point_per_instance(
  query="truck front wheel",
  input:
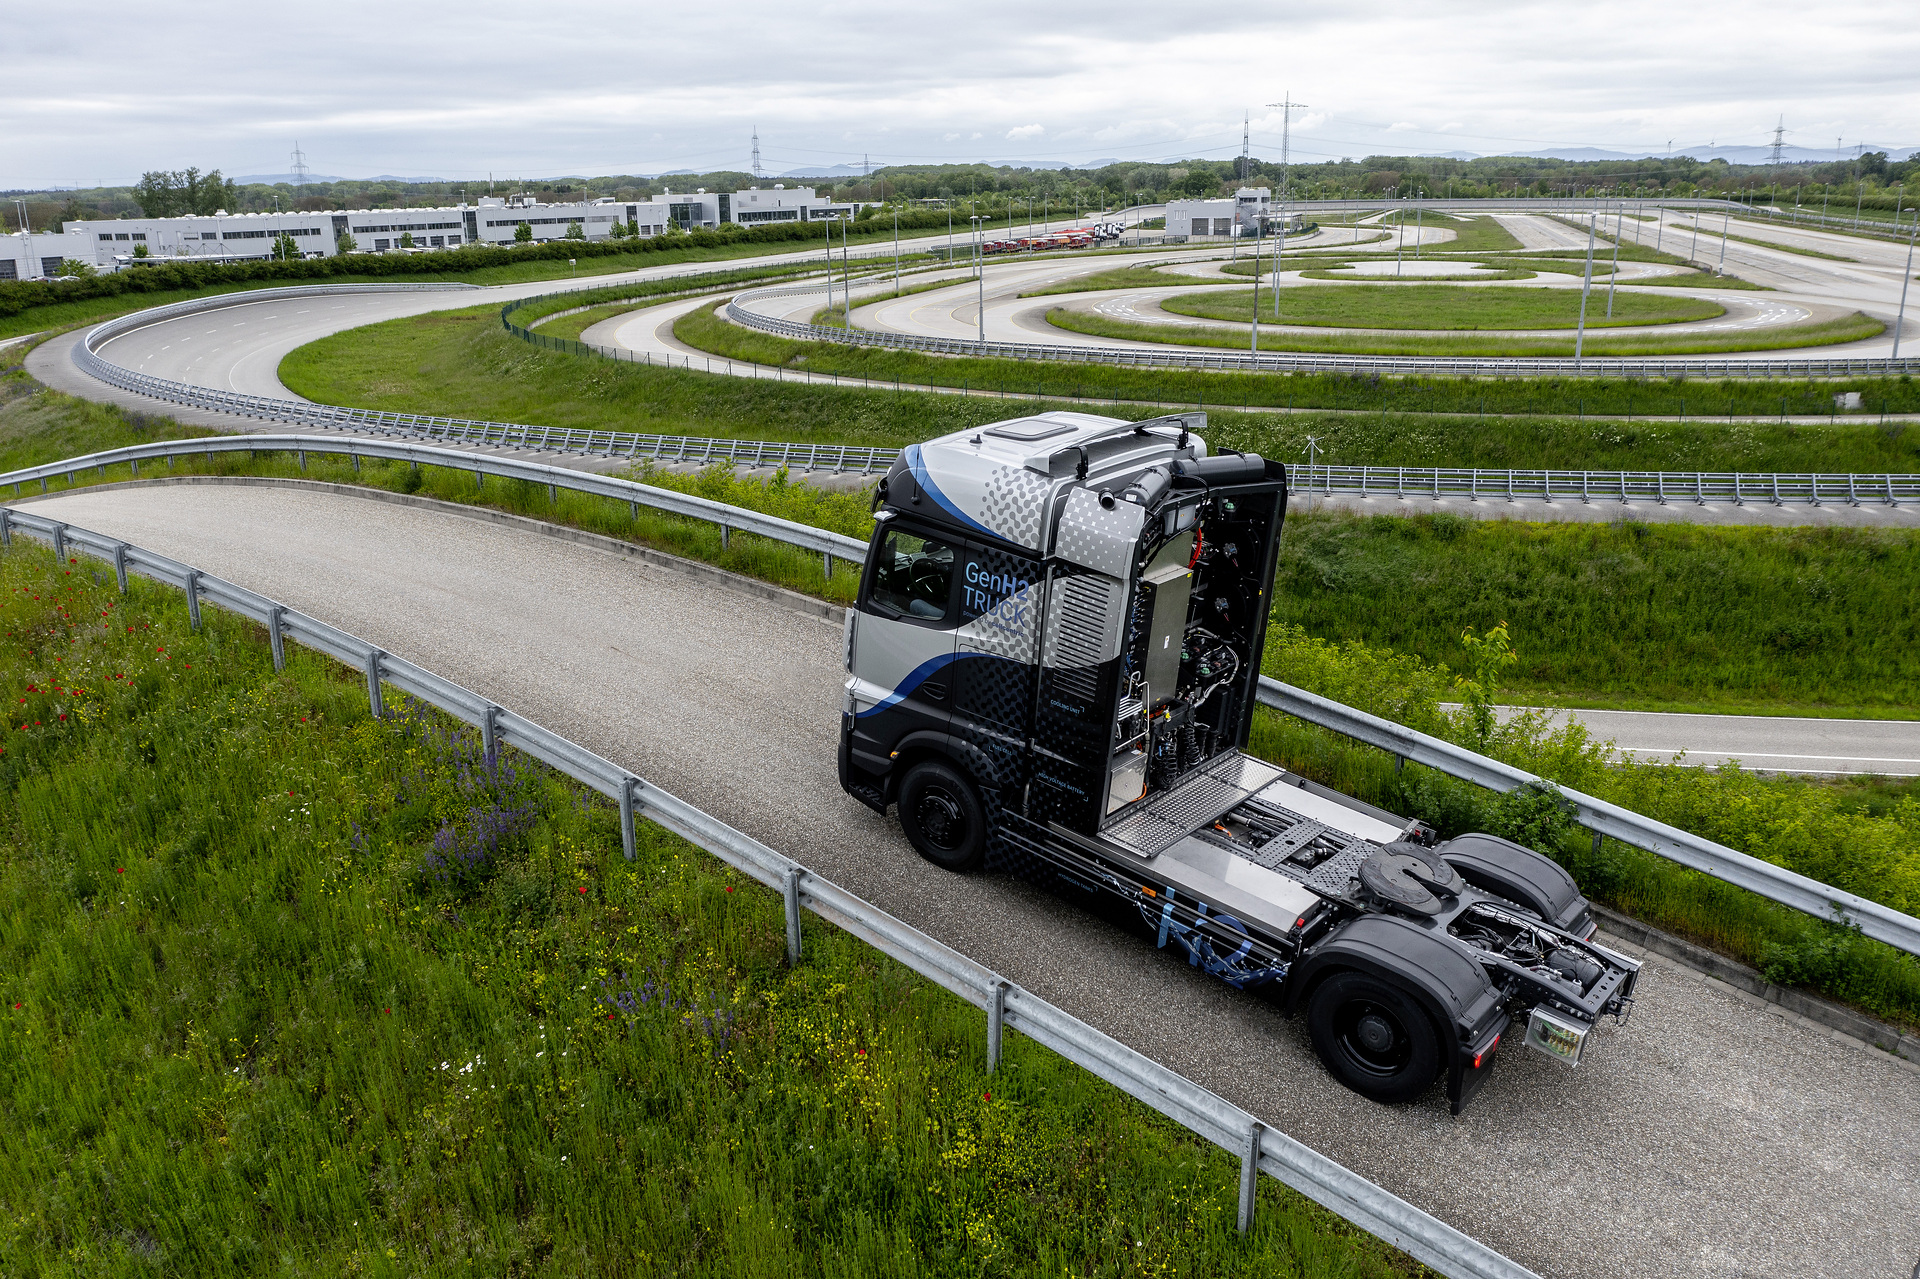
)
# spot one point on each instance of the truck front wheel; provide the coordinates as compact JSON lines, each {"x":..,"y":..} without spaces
{"x":1373,"y":1037}
{"x":942,"y":815}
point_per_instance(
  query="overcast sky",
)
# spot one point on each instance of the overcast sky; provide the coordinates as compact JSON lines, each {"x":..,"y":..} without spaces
{"x":527,"y":89}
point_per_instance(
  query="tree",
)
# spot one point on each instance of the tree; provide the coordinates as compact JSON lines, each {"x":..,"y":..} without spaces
{"x":575,"y":231}
{"x":1200,"y":182}
{"x":523,"y":234}
{"x":139,"y":250}
{"x":286,"y":249}
{"x":406,"y":239}
{"x":74,"y":266}
{"x":345,"y":244}
{"x":162,"y":194}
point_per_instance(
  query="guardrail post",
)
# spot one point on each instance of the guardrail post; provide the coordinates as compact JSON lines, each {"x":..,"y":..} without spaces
{"x":60,"y":545}
{"x":300,"y":455}
{"x":120,"y":564}
{"x":6,"y":535}
{"x":355,"y":457}
{"x":826,"y":558}
{"x":374,"y":702}
{"x":792,"y":887}
{"x":996,"y":1020}
{"x":553,"y":495}
{"x":273,"y":636}
{"x":193,"y":598}
{"x":135,"y":463}
{"x":723,"y":537}
{"x":1250,"y":1175}
{"x":490,"y":732}
{"x":627,"y":838}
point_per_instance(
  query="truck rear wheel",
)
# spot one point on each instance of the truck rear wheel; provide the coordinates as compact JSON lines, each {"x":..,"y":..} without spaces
{"x":942,"y":816}
{"x":1373,"y":1037}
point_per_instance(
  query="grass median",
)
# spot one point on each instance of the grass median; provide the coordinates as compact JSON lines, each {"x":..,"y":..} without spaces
{"x":290,"y":987}
{"x":1435,"y":306}
{"x":1854,"y":328}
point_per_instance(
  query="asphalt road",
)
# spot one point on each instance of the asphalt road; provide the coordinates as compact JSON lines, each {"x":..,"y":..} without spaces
{"x":1778,"y":743}
{"x":1711,"y":1136}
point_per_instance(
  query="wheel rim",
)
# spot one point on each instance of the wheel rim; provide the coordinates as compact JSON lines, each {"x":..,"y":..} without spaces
{"x":941,"y":819}
{"x":1372,"y":1038}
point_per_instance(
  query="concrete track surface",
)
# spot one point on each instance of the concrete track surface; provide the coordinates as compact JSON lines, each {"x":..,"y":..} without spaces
{"x":1708,"y":1137}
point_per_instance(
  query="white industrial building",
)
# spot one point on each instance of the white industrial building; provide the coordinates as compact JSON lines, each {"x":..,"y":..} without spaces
{"x":238,"y":237}
{"x":1248,"y":209}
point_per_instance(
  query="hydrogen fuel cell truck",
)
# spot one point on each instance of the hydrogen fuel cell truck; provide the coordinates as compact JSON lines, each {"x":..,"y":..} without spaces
{"x":1053,"y":668}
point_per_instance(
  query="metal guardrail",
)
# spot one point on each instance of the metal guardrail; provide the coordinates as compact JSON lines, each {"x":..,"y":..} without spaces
{"x":1775,"y":883}
{"x":1699,"y":487}
{"x":636,"y":495}
{"x":739,"y":311}
{"x":549,"y":439}
{"x":1008,"y":1006}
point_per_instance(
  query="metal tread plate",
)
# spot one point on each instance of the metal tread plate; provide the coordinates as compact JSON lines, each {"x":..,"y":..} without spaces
{"x":1201,"y":798}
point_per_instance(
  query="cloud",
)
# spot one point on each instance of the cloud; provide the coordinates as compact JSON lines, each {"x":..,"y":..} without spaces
{"x":104,"y":102}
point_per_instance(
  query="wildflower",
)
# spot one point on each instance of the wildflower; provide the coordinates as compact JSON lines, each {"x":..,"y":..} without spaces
{"x":583,"y":889}
{"x":389,"y":1012}
{"x":120,"y":870}
{"x":729,"y":887}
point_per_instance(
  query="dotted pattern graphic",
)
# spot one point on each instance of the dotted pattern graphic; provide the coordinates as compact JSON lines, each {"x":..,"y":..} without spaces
{"x":1013,"y":503}
{"x":1100,"y":539}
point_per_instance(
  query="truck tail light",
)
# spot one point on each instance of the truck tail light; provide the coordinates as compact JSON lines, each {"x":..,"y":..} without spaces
{"x":1486,"y":1052}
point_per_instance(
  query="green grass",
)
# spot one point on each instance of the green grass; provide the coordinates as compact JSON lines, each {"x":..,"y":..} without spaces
{"x":1784,"y":248}
{"x":461,"y":363}
{"x":1665,"y":612}
{"x":1342,"y":271}
{"x":1700,"y":280}
{"x":1434,"y":306}
{"x":255,"y":1019}
{"x":1854,"y":328}
{"x":1471,"y":235}
{"x":1126,"y":277}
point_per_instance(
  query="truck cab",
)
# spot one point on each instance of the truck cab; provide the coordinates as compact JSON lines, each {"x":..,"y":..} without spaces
{"x":1053,"y":668}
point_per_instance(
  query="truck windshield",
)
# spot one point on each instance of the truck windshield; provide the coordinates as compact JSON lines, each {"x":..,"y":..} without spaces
{"x":913,"y":576}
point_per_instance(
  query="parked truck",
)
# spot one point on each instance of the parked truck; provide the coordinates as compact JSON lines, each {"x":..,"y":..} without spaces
{"x":1053,"y":669}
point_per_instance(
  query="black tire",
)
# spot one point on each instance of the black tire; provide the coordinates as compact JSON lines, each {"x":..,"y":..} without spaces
{"x":1373,"y":1037}
{"x":942,"y":816}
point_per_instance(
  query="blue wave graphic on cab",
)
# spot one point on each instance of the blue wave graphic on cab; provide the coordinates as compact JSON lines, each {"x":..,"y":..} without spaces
{"x":921,"y":477}
{"x":915,"y":678}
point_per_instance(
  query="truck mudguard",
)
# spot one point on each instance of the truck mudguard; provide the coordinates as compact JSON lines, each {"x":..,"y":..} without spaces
{"x":1522,"y":876}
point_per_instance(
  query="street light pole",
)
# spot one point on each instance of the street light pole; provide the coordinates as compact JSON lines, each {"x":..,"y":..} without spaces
{"x":1586,"y":286}
{"x":980,"y":274}
{"x":1906,"y":277}
{"x":1254,"y":348}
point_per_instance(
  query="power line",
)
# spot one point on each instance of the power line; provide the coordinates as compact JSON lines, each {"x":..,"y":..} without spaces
{"x":1287,"y":108}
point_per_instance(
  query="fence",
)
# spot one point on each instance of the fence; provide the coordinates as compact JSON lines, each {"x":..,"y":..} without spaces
{"x":1660,"y":486}
{"x":1769,"y":881}
{"x":1007,"y":1006}
{"x":1612,"y":486}
{"x":740,"y":312}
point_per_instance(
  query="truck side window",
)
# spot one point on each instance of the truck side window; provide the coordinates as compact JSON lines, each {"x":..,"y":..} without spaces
{"x":913,"y":577}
